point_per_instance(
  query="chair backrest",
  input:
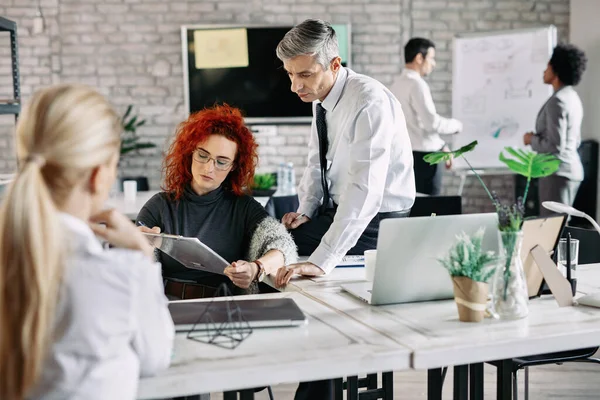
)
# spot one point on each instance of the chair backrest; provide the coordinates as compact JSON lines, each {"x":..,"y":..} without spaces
{"x":278,"y":206}
{"x":589,"y":243}
{"x":440,"y":205}
{"x":586,"y":197}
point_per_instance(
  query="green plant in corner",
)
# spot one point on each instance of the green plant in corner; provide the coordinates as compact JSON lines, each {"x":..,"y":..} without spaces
{"x":263,"y":181}
{"x":130,"y":139}
{"x":467,"y":258}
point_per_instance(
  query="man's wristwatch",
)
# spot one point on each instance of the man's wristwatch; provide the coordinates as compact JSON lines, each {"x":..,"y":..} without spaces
{"x":261,"y":273}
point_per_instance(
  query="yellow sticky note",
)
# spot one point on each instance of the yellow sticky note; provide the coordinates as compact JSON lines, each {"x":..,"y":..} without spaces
{"x":221,"y":48}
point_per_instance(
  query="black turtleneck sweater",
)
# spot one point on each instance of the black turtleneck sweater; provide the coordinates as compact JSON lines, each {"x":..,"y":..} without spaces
{"x":221,"y":220}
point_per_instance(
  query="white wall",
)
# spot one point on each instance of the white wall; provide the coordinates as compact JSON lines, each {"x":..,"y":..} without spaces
{"x":585,"y":33}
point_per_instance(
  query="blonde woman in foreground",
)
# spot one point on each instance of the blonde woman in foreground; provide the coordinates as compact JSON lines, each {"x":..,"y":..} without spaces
{"x":77,"y":321}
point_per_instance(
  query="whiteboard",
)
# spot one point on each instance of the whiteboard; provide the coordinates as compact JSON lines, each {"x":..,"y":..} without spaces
{"x":498,"y":90}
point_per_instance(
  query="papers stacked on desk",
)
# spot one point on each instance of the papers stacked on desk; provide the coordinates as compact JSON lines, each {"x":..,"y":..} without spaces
{"x":347,"y":261}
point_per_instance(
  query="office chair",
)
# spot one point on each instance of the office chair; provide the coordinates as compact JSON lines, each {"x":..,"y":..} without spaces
{"x":589,"y":252}
{"x":278,"y":206}
{"x":440,"y":205}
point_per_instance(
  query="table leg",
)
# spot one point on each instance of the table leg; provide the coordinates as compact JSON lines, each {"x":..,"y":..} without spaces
{"x":247,"y":394}
{"x":504,"y":380}
{"x":461,"y":382}
{"x":352,"y":388}
{"x":338,"y":387}
{"x":230,"y":395}
{"x":461,"y":185}
{"x":371,"y":381}
{"x":476,"y":381}
{"x":388,"y":385}
{"x":435,"y":381}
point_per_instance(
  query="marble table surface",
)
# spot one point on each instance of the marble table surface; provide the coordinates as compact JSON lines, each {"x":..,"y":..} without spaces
{"x":436,"y":336}
{"x":330,"y":345}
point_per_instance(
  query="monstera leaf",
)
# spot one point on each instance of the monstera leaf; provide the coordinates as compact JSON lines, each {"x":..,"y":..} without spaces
{"x":439,"y":156}
{"x":530,"y":164}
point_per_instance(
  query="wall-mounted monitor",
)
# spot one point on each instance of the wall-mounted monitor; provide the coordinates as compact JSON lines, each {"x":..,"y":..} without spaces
{"x":237,"y":65}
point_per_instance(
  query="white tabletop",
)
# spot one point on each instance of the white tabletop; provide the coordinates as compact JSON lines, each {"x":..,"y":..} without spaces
{"x":432,"y":329}
{"x":331,"y":345}
{"x":437,"y":338}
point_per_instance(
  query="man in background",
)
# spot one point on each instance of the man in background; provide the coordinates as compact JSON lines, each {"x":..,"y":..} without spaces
{"x":424,"y":124}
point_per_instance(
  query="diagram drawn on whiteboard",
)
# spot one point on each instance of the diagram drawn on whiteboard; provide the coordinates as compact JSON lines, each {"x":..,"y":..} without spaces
{"x":497,"y":89}
{"x":520,"y":90}
{"x":502,"y":128}
{"x":475,"y":103}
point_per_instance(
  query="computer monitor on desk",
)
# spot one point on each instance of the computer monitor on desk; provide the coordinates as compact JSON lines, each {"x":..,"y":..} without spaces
{"x":408,"y":249}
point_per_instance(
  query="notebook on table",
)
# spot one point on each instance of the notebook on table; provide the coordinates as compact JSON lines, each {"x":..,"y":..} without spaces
{"x":259,"y":313}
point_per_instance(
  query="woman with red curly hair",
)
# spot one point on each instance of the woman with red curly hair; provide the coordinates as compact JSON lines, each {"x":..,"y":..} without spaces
{"x":209,"y":166}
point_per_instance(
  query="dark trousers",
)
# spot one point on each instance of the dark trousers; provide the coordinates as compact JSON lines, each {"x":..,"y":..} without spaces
{"x":556,"y":188}
{"x":307,"y":237}
{"x":428,"y":178}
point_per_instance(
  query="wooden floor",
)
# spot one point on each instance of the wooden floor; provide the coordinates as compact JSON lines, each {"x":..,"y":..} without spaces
{"x":577,"y":381}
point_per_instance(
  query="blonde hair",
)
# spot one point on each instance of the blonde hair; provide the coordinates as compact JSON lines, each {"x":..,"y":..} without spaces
{"x":65,"y":132}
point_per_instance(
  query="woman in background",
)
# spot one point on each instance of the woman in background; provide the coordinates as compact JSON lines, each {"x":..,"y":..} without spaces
{"x":78,"y":321}
{"x":208,"y":167}
{"x":558,"y":126}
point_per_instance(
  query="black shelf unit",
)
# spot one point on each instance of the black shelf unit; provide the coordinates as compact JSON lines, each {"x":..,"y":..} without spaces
{"x":12,"y":106}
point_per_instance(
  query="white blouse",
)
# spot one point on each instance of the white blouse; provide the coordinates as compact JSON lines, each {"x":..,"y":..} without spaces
{"x":112,"y":322}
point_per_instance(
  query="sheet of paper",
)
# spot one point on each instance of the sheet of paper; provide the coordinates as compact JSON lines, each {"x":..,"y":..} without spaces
{"x":221,"y":48}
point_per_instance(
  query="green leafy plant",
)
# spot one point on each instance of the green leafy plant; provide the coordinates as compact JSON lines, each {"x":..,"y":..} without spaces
{"x":263,"y":181}
{"x":526,"y":163}
{"x":467,"y":258}
{"x":510,"y":217}
{"x":130,"y":141}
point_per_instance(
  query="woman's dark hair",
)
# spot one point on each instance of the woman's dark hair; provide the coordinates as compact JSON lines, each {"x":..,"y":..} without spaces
{"x":568,"y":63}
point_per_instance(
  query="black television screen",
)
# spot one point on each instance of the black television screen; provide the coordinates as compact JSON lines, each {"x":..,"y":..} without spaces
{"x":237,"y":65}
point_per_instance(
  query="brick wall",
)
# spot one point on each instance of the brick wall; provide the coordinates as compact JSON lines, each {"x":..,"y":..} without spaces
{"x":131,"y":51}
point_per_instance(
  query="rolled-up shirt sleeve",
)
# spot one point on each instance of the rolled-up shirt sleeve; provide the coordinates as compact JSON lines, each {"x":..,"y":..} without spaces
{"x":423,"y":104}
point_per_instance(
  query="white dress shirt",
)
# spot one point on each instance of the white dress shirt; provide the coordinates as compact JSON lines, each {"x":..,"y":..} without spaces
{"x":112,"y":323}
{"x":370,"y":163}
{"x":424,"y":124}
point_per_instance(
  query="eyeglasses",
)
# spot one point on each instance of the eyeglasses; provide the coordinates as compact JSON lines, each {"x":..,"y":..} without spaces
{"x":220,"y":163}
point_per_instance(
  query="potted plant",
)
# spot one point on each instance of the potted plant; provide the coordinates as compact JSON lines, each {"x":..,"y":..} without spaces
{"x":263,"y":185}
{"x":470,"y":268}
{"x":130,"y":142}
{"x":509,"y":288}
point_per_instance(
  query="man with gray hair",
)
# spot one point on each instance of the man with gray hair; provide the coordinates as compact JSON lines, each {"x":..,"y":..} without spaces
{"x":360,"y":163}
{"x":360,"y":158}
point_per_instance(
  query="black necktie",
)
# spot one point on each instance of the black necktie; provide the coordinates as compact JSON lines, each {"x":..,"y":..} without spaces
{"x":323,"y":146}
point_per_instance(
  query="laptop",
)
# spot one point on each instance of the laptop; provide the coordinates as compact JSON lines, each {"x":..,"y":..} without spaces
{"x":259,"y":313}
{"x":407,"y":268}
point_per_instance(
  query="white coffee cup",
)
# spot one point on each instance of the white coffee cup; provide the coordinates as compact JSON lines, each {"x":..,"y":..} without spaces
{"x":370,"y":257}
{"x":129,"y":191}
